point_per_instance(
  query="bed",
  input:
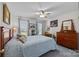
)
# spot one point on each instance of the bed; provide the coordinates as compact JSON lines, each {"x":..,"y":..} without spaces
{"x":34,"y":46}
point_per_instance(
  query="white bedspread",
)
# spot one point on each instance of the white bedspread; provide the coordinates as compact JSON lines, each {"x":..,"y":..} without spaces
{"x":33,"y":47}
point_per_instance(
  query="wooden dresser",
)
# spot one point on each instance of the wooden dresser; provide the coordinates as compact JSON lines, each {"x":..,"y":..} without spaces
{"x":67,"y":38}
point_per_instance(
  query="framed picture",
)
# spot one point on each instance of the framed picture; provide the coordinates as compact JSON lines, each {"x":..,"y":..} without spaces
{"x":54,"y":23}
{"x":6,"y":14}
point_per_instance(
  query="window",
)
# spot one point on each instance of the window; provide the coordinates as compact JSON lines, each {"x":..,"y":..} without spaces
{"x":39,"y":25}
{"x":24,"y":26}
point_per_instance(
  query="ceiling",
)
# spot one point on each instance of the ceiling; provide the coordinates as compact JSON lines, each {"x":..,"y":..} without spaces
{"x":28,"y":9}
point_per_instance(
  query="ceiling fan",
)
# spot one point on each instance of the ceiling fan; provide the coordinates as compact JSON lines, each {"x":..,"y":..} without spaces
{"x":42,"y":12}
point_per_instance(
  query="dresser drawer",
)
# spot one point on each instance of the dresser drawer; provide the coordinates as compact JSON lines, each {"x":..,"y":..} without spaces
{"x":67,"y":39}
{"x":70,"y":37}
{"x":70,"y":43}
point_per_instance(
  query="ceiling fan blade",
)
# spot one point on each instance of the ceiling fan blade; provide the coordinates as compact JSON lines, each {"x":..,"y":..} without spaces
{"x":37,"y":13}
{"x":48,"y":12}
{"x":52,"y":8}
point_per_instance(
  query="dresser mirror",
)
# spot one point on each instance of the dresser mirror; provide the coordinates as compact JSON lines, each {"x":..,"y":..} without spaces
{"x":67,"y":25}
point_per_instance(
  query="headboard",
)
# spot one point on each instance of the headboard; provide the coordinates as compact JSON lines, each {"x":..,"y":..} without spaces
{"x":5,"y":36}
{"x":1,"y":40}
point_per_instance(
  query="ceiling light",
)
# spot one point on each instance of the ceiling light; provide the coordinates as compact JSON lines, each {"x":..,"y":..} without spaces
{"x":42,"y":15}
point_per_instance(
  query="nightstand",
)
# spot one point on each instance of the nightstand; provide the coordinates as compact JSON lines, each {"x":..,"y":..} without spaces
{"x":48,"y":34}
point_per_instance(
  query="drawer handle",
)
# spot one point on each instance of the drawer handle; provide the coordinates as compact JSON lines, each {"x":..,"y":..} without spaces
{"x":1,"y":51}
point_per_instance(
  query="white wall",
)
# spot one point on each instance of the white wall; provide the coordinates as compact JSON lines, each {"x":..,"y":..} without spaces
{"x":14,"y":23}
{"x":72,"y":15}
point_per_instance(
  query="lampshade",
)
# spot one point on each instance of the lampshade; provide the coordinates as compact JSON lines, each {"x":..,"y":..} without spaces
{"x":14,"y":29}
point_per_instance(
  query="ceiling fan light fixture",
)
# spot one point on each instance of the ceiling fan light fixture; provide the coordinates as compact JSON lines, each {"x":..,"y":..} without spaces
{"x":42,"y":15}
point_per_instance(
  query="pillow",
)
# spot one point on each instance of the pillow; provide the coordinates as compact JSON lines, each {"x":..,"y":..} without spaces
{"x":21,"y":38}
{"x":24,"y":33}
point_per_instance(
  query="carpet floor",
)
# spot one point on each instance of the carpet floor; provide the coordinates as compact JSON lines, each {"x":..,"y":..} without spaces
{"x":61,"y":52}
